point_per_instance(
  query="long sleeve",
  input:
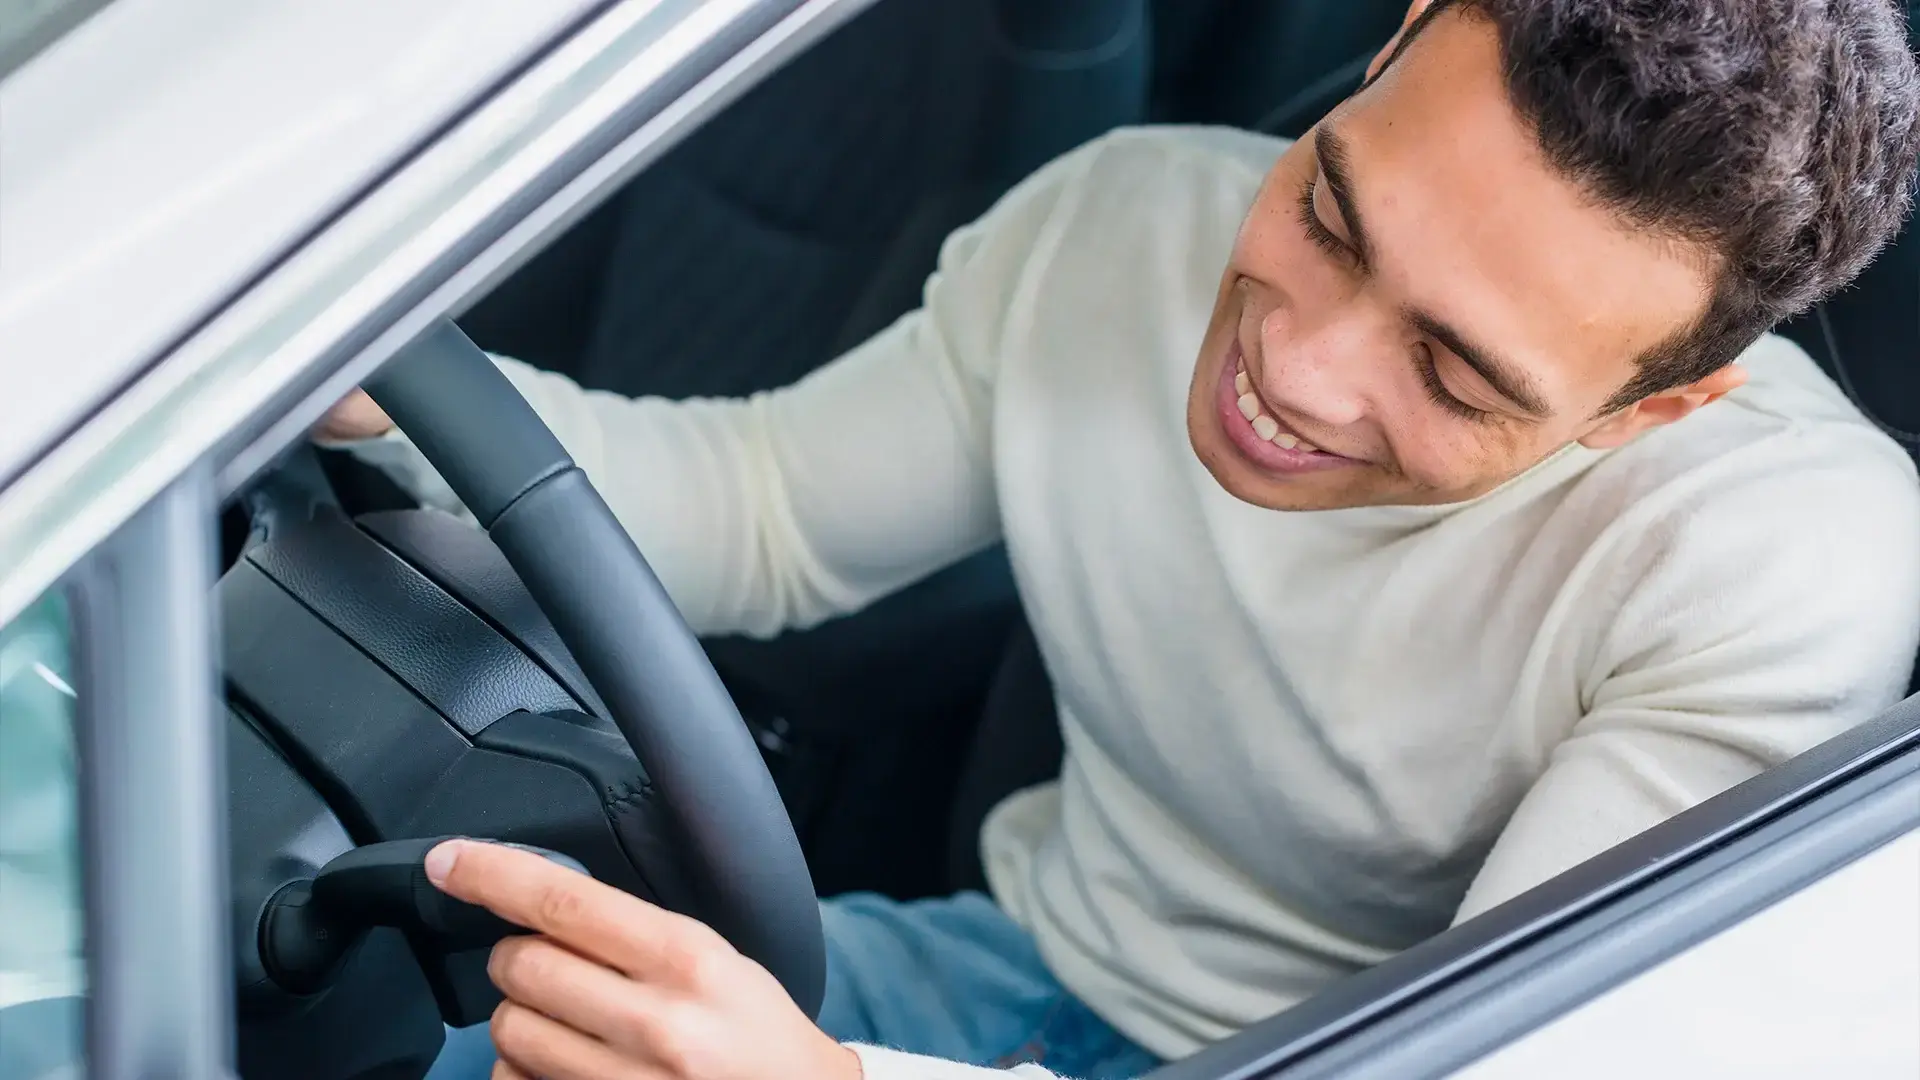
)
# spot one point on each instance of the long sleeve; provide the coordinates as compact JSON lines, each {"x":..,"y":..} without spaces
{"x":1741,"y":639}
{"x":810,"y":501}
{"x":883,"y":1064}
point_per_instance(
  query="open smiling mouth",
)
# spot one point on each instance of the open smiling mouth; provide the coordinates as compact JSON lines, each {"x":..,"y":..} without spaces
{"x":1259,"y":436}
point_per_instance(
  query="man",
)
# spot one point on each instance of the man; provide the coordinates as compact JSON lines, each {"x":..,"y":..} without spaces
{"x":1485,"y":532}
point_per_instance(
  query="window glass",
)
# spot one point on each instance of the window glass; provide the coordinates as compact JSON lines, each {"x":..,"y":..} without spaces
{"x":27,"y":26}
{"x":42,"y":961}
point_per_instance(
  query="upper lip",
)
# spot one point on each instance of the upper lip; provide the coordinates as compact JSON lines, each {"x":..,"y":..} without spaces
{"x":1253,"y":376}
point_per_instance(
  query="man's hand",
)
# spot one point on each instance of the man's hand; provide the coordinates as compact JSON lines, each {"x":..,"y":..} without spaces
{"x":615,"y":988}
{"x":1380,"y":59}
{"x":355,"y":417}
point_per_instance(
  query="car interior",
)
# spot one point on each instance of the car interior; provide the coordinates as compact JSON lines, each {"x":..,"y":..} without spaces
{"x":821,"y":197}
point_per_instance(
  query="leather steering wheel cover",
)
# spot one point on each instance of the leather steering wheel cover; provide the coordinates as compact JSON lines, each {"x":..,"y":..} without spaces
{"x":608,"y":607}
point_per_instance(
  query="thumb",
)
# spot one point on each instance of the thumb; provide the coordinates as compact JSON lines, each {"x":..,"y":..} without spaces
{"x":353,"y":417}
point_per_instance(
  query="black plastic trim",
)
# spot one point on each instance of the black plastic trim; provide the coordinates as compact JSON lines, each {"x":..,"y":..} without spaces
{"x":465,"y":563}
{"x":646,"y":832}
{"x":1599,"y":923}
{"x":447,"y":654}
{"x":355,"y":716}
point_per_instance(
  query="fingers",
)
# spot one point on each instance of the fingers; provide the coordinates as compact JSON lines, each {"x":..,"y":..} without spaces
{"x":577,"y":992}
{"x":354,"y":417}
{"x":617,"y":989}
{"x":537,"y":1046}
{"x":595,"y":920}
{"x":503,"y":1071}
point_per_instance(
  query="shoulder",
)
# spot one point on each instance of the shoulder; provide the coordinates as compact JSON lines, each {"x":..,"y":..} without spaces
{"x":1181,"y":169}
{"x":1778,"y":525}
{"x":1134,"y":226}
{"x":1788,"y":448}
{"x":1132,"y":187}
{"x":1160,"y":153}
{"x":1145,"y":187}
{"x":1179,"y":147}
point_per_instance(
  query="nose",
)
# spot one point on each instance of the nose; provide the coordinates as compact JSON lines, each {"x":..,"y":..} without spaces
{"x":1317,"y":364}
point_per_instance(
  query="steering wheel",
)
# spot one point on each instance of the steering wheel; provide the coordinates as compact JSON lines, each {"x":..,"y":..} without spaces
{"x":586,"y":575}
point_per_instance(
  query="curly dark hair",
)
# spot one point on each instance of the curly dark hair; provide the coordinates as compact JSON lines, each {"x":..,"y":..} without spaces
{"x":1778,"y":135}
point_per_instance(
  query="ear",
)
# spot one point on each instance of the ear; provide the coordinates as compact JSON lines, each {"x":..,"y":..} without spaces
{"x":1663,"y":408}
{"x":1380,"y":59}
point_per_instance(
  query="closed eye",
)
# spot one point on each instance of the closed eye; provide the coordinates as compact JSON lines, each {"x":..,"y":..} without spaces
{"x":1427,"y":366}
{"x":1318,"y":232}
{"x":1425,"y":362}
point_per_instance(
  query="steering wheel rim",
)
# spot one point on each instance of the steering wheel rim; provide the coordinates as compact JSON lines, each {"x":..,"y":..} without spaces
{"x":592,"y":582}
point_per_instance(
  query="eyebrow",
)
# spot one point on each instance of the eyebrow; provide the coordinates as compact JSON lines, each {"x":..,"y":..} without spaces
{"x":1507,"y":379}
{"x":1332,"y":152}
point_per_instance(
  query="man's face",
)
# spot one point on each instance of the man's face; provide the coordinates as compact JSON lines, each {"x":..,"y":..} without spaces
{"x":1421,"y":301}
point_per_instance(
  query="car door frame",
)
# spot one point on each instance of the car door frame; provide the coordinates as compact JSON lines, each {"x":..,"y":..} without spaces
{"x":120,"y":515}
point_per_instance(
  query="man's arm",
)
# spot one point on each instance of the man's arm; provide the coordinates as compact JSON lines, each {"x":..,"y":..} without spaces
{"x":802,"y":503}
{"x":1755,"y":625}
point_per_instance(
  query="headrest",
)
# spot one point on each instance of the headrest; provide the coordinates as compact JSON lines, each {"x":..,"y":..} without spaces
{"x":1868,"y":339}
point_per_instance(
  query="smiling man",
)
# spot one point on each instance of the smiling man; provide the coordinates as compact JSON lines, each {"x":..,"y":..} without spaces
{"x":1486,"y":530}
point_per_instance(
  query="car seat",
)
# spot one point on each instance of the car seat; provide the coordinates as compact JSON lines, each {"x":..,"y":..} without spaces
{"x":1261,"y":65}
{"x":803,"y":201}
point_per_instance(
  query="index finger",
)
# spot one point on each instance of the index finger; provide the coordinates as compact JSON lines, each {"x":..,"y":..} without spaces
{"x":593,"y":919}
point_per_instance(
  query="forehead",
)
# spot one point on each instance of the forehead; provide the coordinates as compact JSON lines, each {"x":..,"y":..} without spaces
{"x":1474,"y":226}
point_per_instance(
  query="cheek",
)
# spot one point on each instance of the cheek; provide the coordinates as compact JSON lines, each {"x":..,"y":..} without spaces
{"x":1272,"y":248}
{"x":1248,"y":327}
{"x":1443,"y":454}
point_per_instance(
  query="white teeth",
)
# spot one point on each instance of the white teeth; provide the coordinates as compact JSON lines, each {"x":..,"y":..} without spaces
{"x":1264,"y":426}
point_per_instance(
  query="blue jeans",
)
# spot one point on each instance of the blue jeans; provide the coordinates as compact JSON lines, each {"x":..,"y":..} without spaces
{"x":952,"y":978}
